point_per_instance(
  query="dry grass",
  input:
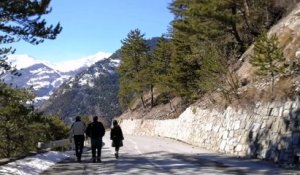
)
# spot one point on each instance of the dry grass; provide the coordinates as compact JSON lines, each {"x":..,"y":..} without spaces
{"x":249,"y":95}
{"x":285,"y":37}
{"x":284,"y":89}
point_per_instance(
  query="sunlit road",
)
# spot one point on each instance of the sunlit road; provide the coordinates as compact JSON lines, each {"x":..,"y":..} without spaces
{"x":148,"y":155}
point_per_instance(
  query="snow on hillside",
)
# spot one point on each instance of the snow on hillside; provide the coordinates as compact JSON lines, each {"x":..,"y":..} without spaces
{"x":24,"y":61}
{"x":44,"y":77}
{"x":71,"y":65}
{"x":94,"y":91}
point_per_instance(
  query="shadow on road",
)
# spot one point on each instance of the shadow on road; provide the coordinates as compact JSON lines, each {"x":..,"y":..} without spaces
{"x":153,"y":163}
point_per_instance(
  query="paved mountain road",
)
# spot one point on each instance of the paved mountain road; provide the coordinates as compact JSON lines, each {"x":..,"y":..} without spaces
{"x":152,"y":155}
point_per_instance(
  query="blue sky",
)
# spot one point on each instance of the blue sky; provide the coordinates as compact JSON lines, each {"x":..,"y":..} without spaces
{"x":91,"y":26}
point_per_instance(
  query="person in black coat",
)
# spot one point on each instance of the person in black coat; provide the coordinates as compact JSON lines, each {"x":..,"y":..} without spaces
{"x":116,"y":135}
{"x":96,"y":131}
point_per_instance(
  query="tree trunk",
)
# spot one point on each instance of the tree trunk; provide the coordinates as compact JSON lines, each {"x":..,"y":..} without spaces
{"x":171,"y":107}
{"x":235,"y":30}
{"x":152,"y":98}
{"x":273,"y":82}
{"x":233,"y":83}
{"x":246,"y":8}
{"x":246,"y":15}
{"x":8,"y":146}
{"x":142,"y":98}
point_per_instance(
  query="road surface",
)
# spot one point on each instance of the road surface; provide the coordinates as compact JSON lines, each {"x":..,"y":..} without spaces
{"x":151,"y":155}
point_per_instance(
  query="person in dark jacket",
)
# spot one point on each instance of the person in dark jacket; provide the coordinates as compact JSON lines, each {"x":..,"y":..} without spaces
{"x":116,"y":135}
{"x":96,"y":131}
{"x":77,"y":130}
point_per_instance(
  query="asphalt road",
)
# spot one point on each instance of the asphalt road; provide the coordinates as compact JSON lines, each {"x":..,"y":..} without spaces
{"x":150,"y":155}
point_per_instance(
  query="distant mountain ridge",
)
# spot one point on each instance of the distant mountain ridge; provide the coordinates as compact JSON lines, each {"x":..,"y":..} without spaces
{"x":40,"y":78}
{"x":94,"y":91}
{"x":44,"y":78}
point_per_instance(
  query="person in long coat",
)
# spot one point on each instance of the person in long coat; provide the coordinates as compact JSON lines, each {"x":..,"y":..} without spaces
{"x":116,"y":135}
{"x":96,"y":131}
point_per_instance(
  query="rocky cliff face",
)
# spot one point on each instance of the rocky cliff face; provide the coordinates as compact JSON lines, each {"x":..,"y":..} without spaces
{"x":288,"y":33}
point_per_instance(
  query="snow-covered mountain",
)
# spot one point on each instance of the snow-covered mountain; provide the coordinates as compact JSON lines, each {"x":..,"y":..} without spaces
{"x":44,"y":77}
{"x":80,"y":64}
{"x":40,"y":78}
{"x":94,"y":91}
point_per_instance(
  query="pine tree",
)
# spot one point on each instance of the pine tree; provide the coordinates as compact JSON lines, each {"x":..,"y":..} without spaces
{"x":205,"y":31}
{"x":56,"y":128}
{"x":14,"y":116}
{"x":135,"y":59}
{"x":161,"y":67}
{"x":22,"y":20}
{"x":268,"y":57}
{"x":21,"y":127}
{"x":213,"y":68}
{"x":183,"y":69}
{"x":230,"y":25}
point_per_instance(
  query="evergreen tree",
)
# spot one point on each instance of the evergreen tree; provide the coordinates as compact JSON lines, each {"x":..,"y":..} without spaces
{"x":213,"y":68}
{"x":268,"y":57}
{"x":161,"y":67}
{"x":231,"y":25}
{"x":184,"y":69}
{"x":205,"y":31}
{"x":22,"y":20}
{"x":135,"y":59}
{"x":56,"y":129}
{"x":15,"y":117}
{"x":21,"y":127}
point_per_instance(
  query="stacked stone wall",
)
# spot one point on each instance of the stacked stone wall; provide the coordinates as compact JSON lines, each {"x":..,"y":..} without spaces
{"x":269,"y":131}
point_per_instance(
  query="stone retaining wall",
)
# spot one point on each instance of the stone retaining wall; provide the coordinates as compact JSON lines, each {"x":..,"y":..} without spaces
{"x":269,"y":131}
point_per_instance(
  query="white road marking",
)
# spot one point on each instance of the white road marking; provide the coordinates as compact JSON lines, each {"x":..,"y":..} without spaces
{"x":140,"y":152}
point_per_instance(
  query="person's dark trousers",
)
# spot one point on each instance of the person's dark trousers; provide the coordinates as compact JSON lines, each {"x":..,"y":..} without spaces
{"x":79,"y":140}
{"x":96,"y":145}
{"x":117,"y":148}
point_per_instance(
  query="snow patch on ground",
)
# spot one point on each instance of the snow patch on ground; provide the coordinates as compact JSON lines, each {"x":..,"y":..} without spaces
{"x":34,"y":165}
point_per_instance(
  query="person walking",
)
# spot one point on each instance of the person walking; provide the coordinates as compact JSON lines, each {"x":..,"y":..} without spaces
{"x":78,"y":129}
{"x":116,"y":135}
{"x":96,"y":131}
